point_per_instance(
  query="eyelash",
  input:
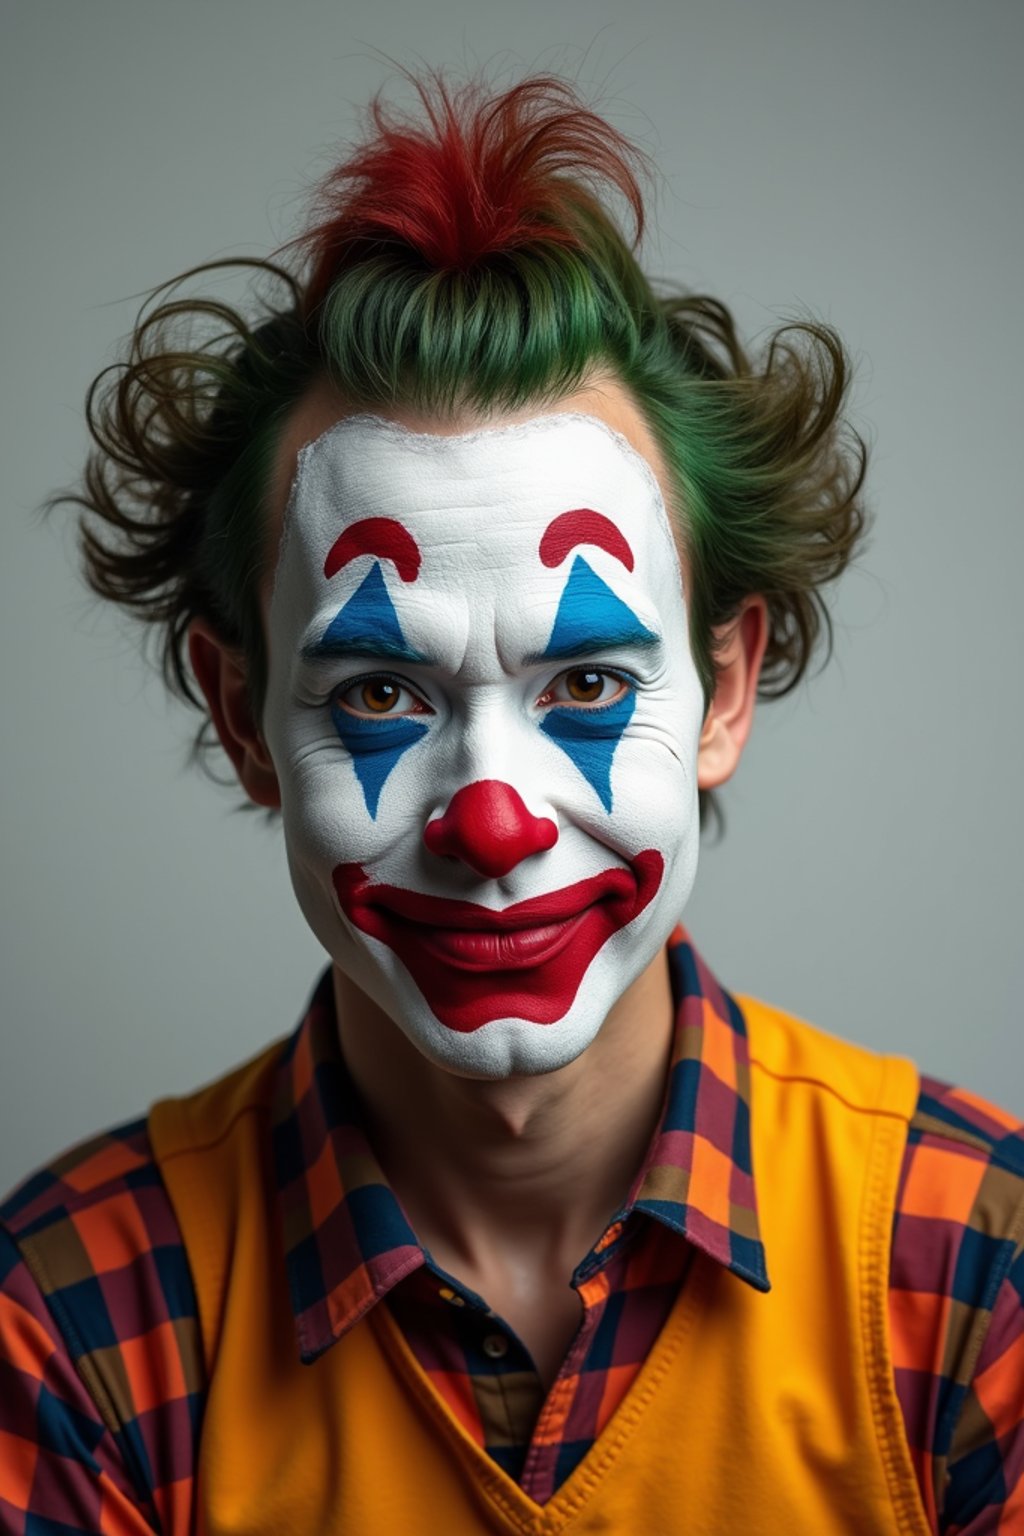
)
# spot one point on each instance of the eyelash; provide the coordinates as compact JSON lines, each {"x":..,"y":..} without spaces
{"x":623,"y":678}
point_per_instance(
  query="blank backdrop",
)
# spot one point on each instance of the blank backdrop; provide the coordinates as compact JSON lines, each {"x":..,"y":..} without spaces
{"x":859,"y":161}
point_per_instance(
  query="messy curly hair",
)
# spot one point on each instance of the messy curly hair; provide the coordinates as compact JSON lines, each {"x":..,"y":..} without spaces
{"x":468,"y":254}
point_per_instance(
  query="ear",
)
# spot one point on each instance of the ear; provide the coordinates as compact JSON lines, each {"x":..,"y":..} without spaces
{"x":220,"y":671}
{"x":738,"y":657}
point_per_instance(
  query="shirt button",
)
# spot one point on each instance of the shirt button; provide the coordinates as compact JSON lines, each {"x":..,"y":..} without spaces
{"x":495,"y":1346}
{"x":451,"y":1297}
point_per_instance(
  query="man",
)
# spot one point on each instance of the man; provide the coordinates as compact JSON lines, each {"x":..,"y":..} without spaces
{"x":480,"y":554}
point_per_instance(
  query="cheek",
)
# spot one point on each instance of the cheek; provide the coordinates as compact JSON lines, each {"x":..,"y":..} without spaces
{"x":655,"y":778}
{"x":325,"y":809}
{"x":655,"y":790}
{"x":323,"y":803}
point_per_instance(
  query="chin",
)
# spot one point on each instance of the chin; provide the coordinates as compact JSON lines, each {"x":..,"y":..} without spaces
{"x":502,"y":1049}
{"x":509,"y":1047}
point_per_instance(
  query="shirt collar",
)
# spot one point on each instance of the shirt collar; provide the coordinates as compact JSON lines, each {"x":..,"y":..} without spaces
{"x":347,"y":1240}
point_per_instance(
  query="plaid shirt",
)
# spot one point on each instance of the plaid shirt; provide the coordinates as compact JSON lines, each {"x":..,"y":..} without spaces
{"x":101,"y":1373}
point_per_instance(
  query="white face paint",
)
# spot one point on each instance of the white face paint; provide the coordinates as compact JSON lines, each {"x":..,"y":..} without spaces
{"x":484,"y":716}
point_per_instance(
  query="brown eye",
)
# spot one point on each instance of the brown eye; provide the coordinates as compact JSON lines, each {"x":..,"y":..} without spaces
{"x":585,"y":686}
{"x":378,"y":696}
{"x":582,"y":686}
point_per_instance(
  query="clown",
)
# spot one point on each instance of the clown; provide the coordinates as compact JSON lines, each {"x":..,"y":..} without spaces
{"x":472,"y":767}
{"x":476,"y":565}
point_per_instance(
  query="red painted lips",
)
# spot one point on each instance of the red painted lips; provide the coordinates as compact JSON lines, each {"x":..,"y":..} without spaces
{"x":474,"y":964}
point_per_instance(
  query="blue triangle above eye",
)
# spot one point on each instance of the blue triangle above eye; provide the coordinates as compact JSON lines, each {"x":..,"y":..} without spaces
{"x":368,"y":625}
{"x":368,"y":622}
{"x":590,"y":617}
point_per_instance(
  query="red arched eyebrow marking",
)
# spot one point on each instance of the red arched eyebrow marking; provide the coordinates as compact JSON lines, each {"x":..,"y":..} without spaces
{"x":583,"y":526}
{"x":376,"y":536}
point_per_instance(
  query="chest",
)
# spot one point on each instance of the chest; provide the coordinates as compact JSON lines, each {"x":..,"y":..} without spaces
{"x":544,"y":1315}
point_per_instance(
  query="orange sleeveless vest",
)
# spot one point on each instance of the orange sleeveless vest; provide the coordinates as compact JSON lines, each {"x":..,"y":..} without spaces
{"x":761,"y":1415}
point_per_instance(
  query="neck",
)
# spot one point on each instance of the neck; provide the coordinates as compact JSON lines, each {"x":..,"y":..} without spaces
{"x":522,"y":1166}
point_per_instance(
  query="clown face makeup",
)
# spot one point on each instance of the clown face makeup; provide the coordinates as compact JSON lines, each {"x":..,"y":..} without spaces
{"x":484,"y":717}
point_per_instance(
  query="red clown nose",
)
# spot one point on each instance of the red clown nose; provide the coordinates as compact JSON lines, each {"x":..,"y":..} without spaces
{"x":489,"y":828}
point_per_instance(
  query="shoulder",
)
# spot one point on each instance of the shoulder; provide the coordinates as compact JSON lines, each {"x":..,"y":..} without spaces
{"x":97,"y":1231}
{"x":960,"y":1201}
{"x":956,"y":1299}
{"x":950,"y":1117}
{"x":99,"y":1307}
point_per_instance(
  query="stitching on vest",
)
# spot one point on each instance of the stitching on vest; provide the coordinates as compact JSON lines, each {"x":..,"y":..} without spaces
{"x":466,"y":1450}
{"x":694,"y":1292}
{"x":875,"y":1237}
{"x":561,"y":1509}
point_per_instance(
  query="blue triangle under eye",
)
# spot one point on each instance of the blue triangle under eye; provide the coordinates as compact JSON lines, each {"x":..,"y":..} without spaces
{"x":375,"y":747}
{"x":368,"y":622}
{"x":588,"y":737}
{"x":591,"y":617}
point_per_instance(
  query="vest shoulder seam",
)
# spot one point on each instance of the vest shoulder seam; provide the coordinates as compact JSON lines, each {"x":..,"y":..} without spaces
{"x":809,"y":1081}
{"x":172,"y":1122}
{"x":207,"y":1143}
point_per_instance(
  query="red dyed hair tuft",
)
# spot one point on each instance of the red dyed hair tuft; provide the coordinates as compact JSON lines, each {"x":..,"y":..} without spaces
{"x":480,"y":175}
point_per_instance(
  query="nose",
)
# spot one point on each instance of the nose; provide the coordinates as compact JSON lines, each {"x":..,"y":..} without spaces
{"x":489,"y":828}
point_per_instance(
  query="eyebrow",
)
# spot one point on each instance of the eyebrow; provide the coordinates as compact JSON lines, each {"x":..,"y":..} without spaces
{"x":569,"y":530}
{"x":353,"y":646}
{"x":637,"y":638}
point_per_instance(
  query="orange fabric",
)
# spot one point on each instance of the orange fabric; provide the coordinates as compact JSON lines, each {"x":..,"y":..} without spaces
{"x":943,"y":1184}
{"x":111,"y":1162}
{"x":18,"y":1459}
{"x":768,"y":1414}
{"x":27,"y":1347}
{"x":111,"y":1236}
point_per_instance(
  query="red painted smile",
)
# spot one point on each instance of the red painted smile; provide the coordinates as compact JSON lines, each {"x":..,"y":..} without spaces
{"x":474,"y":964}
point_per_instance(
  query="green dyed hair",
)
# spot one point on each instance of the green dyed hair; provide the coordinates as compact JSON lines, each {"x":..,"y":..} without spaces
{"x":468,"y":255}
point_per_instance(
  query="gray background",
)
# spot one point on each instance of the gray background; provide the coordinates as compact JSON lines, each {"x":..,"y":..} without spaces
{"x":858,"y":160}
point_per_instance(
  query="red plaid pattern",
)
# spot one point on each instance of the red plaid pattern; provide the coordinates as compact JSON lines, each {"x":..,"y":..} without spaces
{"x":101,"y":1379}
{"x":101,"y":1374}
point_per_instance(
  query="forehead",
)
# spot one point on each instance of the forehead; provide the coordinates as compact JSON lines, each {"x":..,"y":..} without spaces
{"x":505,"y":499}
